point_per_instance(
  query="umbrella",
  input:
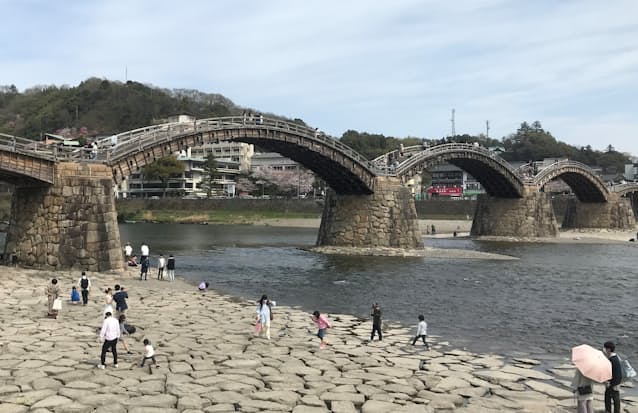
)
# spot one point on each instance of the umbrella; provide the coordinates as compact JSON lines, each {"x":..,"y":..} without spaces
{"x":592,"y":363}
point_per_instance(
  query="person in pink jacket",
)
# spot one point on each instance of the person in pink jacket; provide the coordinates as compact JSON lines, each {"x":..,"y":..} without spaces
{"x":322,"y":324}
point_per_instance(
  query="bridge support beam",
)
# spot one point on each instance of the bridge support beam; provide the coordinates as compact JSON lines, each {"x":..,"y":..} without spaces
{"x":616,"y":213}
{"x":69,"y":225}
{"x":386,"y":218}
{"x":529,"y":216}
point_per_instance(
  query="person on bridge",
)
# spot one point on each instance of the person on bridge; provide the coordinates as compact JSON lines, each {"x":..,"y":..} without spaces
{"x":376,"y":321}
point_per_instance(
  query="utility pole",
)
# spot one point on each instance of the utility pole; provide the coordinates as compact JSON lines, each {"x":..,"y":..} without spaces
{"x":487,"y":128}
{"x":452,"y":120}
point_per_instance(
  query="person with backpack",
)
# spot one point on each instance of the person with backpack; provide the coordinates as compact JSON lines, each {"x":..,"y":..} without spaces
{"x":85,"y":285}
{"x":612,"y":387}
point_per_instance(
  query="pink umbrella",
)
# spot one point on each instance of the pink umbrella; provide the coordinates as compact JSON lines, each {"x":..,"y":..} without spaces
{"x":592,"y":363}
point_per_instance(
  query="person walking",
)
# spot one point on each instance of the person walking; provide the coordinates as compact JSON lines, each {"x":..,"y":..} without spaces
{"x":52,"y":292}
{"x":583,"y":388}
{"x":170,"y":267}
{"x":421,"y":332}
{"x":124,"y":331}
{"x":110,"y":333}
{"x":322,"y":323}
{"x":264,"y":315}
{"x":144,"y":269}
{"x":108,"y":301}
{"x":120,"y":297}
{"x":161,"y":263}
{"x":612,"y":387}
{"x":376,"y":322}
{"x":149,"y":353}
{"x":85,"y":286}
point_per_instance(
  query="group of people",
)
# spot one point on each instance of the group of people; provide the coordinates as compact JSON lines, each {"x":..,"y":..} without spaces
{"x":114,"y":326}
{"x":583,"y":385}
{"x":167,"y":264}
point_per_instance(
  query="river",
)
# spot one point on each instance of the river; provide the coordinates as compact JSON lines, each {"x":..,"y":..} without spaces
{"x":554,"y":297}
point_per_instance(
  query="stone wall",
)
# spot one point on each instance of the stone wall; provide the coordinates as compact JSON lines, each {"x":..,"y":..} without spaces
{"x":529,"y":216}
{"x":69,"y":225}
{"x":616,"y":213}
{"x":386,"y":218}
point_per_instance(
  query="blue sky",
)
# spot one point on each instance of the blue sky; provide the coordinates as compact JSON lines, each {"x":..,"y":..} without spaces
{"x":394,"y":67}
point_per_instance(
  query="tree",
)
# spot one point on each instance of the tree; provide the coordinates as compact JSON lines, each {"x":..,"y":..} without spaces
{"x":209,"y":175}
{"x":163,"y":169}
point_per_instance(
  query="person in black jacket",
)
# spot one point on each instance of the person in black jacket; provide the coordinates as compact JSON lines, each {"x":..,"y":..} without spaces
{"x":376,"y":321}
{"x":612,"y":389}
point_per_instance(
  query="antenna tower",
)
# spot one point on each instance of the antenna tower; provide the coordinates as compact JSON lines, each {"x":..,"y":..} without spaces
{"x":452,"y":120}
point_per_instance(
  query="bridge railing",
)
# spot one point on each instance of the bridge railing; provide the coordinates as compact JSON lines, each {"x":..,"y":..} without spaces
{"x":120,"y":145}
{"x":29,"y":147}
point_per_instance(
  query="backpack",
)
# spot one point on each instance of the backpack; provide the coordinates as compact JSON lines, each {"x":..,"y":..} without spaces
{"x":628,"y":372}
{"x":84,"y":283}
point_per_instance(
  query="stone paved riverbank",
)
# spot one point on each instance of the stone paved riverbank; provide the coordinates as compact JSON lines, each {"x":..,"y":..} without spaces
{"x":210,"y":360}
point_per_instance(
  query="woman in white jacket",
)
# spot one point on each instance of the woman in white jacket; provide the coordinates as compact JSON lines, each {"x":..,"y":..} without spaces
{"x":264,"y":315}
{"x":584,"y":390}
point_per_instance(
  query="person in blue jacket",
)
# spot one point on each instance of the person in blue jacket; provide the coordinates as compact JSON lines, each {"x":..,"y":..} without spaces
{"x":75,"y":295}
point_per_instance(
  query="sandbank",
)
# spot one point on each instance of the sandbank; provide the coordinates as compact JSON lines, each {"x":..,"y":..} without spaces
{"x":446,"y":229}
{"x":211,"y":361}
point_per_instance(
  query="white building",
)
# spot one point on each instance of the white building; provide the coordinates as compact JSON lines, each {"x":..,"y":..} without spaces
{"x":233,"y":158}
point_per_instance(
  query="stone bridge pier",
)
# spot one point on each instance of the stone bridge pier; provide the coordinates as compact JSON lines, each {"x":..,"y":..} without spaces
{"x":386,"y":218}
{"x":531,"y":215}
{"x":616,"y":213}
{"x":71,"y":224}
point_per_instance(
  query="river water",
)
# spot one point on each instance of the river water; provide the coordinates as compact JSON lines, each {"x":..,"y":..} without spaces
{"x":554,"y":297}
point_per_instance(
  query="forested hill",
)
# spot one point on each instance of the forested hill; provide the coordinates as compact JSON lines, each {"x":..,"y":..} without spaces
{"x":529,"y":143}
{"x":101,"y":107}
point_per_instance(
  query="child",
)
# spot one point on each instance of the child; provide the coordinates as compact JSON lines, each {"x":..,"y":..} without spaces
{"x":322,"y":324}
{"x":75,"y":295}
{"x":149,"y":353}
{"x":203,"y":286}
{"x":124,"y":332}
{"x":421,"y":331}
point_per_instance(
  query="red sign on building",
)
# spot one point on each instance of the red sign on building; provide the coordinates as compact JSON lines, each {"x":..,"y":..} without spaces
{"x":445,"y":191}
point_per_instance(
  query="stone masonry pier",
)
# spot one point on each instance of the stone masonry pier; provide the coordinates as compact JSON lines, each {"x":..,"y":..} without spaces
{"x":529,"y":216}
{"x":386,"y":218}
{"x":71,"y":224}
{"x":616,"y":213}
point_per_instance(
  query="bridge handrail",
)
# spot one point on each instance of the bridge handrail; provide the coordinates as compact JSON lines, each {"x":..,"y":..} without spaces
{"x":564,"y":163}
{"x":143,"y":137}
{"x":29,"y":147}
{"x":625,"y":186}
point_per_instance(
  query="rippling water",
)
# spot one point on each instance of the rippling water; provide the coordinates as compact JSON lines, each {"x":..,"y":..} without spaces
{"x":554,"y":297}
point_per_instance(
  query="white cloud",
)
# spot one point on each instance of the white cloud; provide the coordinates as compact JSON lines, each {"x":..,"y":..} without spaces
{"x":396,"y":68}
